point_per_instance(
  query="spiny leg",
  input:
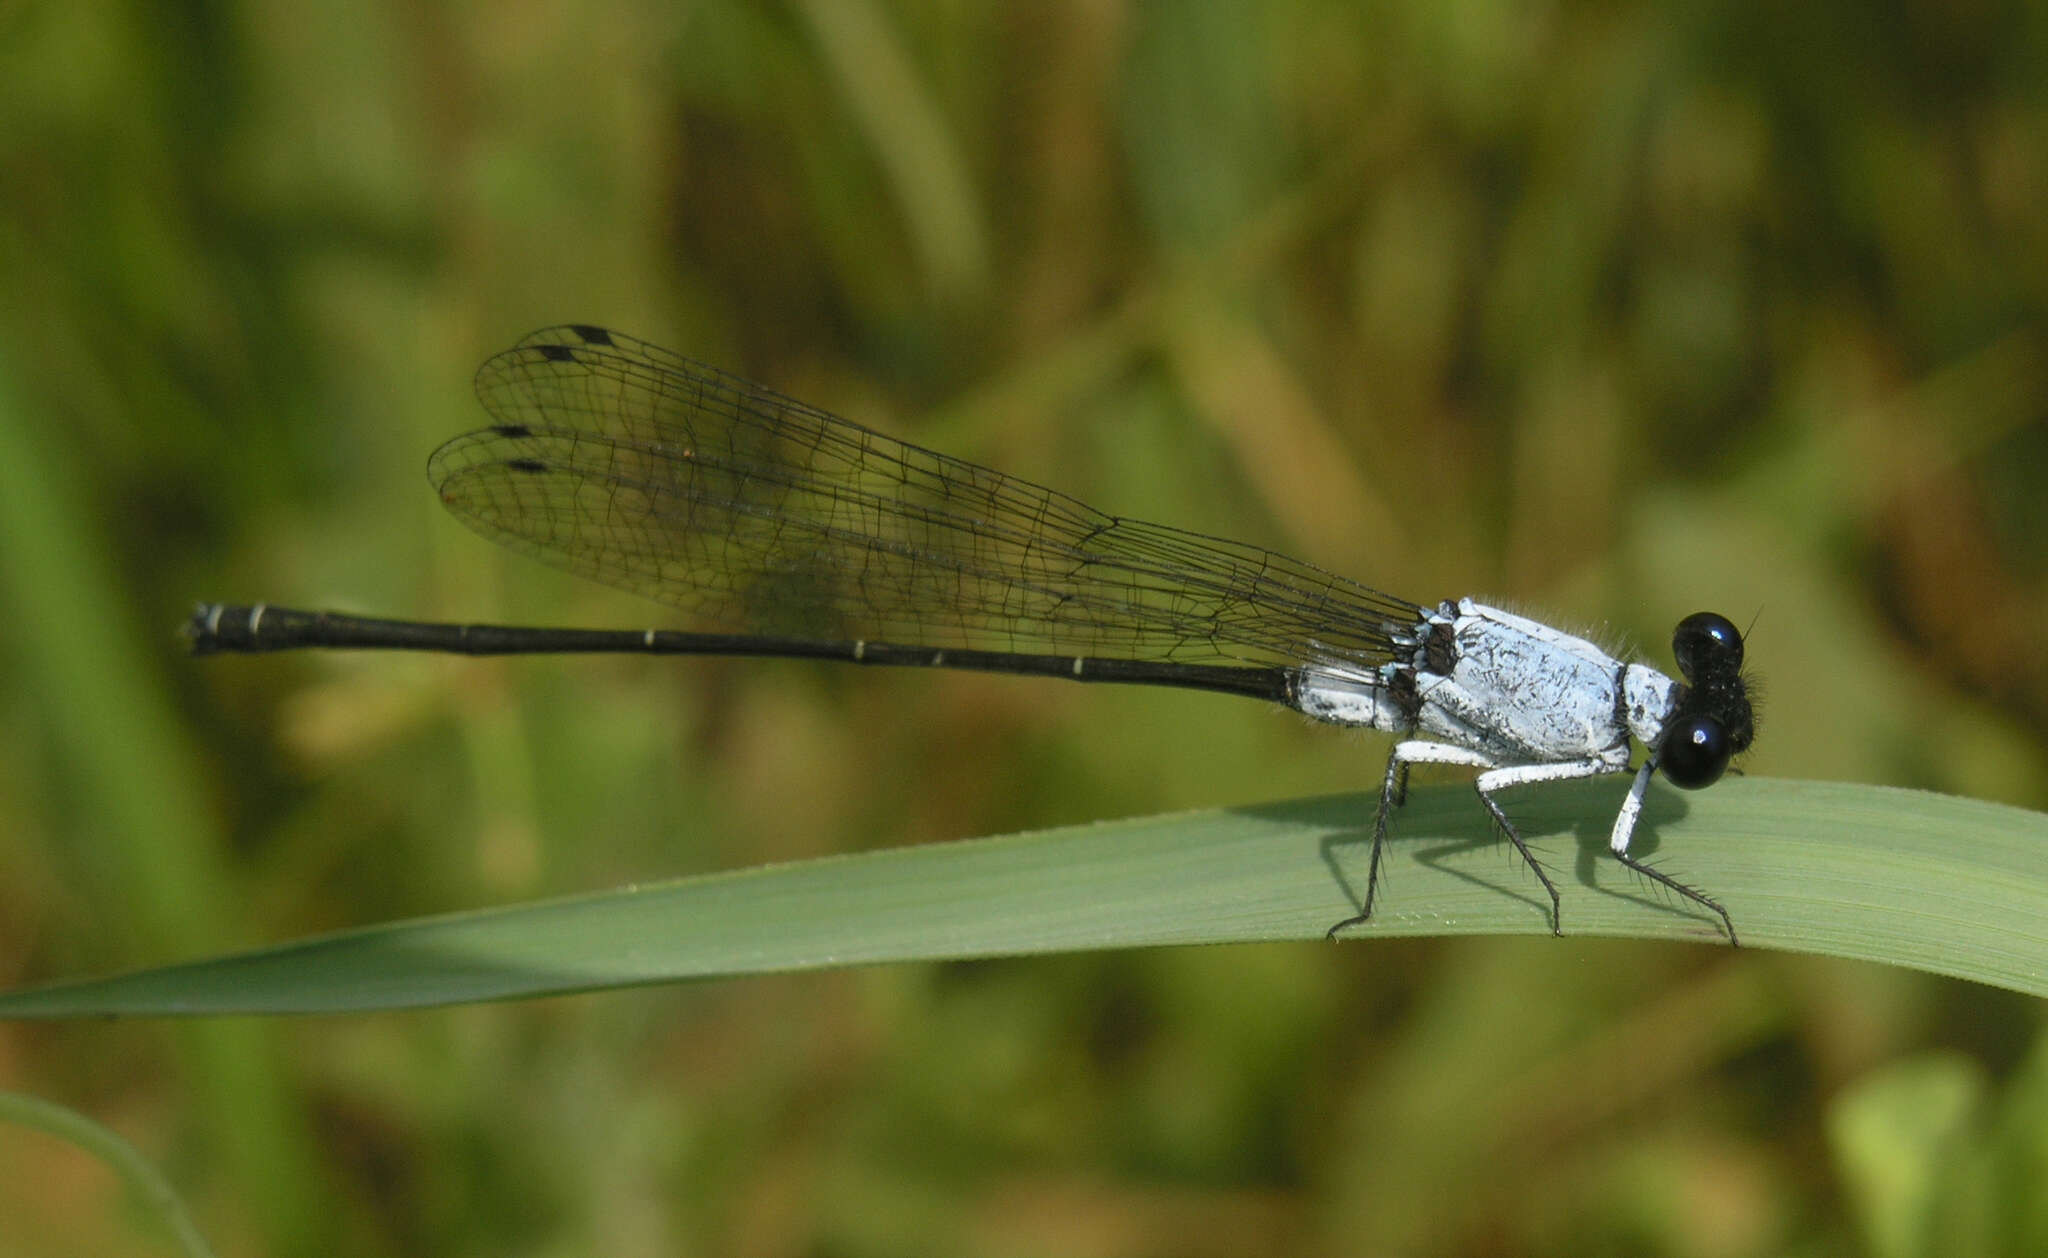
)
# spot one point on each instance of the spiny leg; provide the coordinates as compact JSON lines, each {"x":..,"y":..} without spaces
{"x":1697,"y":897}
{"x":1525,"y":774}
{"x":1391,"y":797}
{"x":1500,"y":819}
{"x":1624,"y":832}
{"x":1393,"y":793}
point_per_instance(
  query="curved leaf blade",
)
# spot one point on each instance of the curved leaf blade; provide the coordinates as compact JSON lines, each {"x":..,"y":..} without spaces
{"x":1952,"y":886}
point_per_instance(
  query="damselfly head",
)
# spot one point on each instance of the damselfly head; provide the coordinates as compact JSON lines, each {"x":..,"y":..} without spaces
{"x":1714,"y":722}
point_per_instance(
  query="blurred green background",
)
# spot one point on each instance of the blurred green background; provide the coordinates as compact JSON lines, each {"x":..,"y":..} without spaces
{"x":1610,"y":311}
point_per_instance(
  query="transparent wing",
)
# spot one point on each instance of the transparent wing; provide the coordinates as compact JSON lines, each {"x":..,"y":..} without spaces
{"x":754,"y":513}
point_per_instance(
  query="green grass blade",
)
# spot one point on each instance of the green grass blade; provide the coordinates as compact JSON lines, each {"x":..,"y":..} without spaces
{"x":1953,"y":886}
{"x":151,"y":1189}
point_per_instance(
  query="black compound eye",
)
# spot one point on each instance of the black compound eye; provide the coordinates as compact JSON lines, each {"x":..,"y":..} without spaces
{"x":1707,"y":642}
{"x":1694,"y":752}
